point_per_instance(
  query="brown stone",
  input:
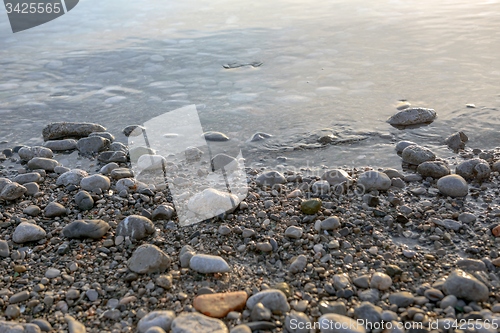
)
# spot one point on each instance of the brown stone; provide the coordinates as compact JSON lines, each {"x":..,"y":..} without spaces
{"x":220,"y":304}
{"x":496,"y":231}
{"x":496,"y":261}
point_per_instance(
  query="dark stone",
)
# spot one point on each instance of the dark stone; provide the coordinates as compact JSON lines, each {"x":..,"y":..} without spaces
{"x":86,"y":229}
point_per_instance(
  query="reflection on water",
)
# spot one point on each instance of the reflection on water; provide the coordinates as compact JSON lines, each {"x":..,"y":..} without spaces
{"x":332,"y":64}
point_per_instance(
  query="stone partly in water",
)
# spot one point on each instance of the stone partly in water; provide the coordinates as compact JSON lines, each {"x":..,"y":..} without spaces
{"x":188,"y":322}
{"x":215,"y":136}
{"x":69,"y":129}
{"x":28,"y":232}
{"x":401,"y":145}
{"x":270,"y":178}
{"x":464,"y":285}
{"x":311,"y":206}
{"x":434,"y":169}
{"x":413,"y":116}
{"x":453,"y":186}
{"x":86,"y":229}
{"x":218,"y":305}
{"x":148,"y":258}
{"x":133,"y":130}
{"x":374,"y":180}
{"x":456,"y":141}
{"x":474,"y":169}
{"x":206,"y":264}
{"x":416,"y":155}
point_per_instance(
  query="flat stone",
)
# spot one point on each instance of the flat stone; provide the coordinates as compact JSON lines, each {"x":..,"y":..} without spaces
{"x":412,"y":116}
{"x":218,"y":305}
{"x":471,"y":265}
{"x":94,"y":229}
{"x":148,"y":258}
{"x":69,"y":129}
{"x":28,"y":232}
{"x":453,"y":186}
{"x":465,"y":286}
{"x":206,"y":264}
{"x":54,"y":209}
{"x":196,"y":322}
{"x":402,"y":299}
{"x":374,"y":180}
{"x":60,"y":145}
{"x":112,"y":156}
{"x":158,"y":318}
{"x":270,"y":178}
{"x":105,"y":135}
{"x":28,"y":178}
{"x":52,"y":273}
{"x":120,"y":173}
{"x":273,"y":299}
{"x":46,"y":164}
{"x":448,"y":223}
{"x":92,"y":145}
{"x":416,"y":155}
{"x":242,"y":328}
{"x":136,"y":227}
{"x":259,"y":136}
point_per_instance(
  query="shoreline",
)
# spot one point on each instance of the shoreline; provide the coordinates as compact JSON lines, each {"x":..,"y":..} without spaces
{"x":338,"y":261}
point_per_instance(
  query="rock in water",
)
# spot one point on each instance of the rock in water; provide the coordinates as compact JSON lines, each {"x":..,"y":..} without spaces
{"x":206,"y":264}
{"x":456,"y":141}
{"x":416,"y":155}
{"x":86,"y":229}
{"x":218,"y":305}
{"x":401,"y":145}
{"x":135,"y":226}
{"x":412,"y":116}
{"x":196,"y":322}
{"x":133,"y":130}
{"x":374,"y":180}
{"x":212,"y":202}
{"x":69,"y":129}
{"x":474,"y":169}
{"x":28,"y":232}
{"x":215,"y":136}
{"x":148,"y":258}
{"x":464,"y":285}
{"x":259,"y":136}
{"x":453,"y":186}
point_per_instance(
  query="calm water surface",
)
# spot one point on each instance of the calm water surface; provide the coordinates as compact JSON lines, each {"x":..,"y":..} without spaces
{"x":329,"y":64}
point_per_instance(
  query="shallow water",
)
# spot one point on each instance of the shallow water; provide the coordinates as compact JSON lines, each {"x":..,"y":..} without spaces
{"x":333,"y":64}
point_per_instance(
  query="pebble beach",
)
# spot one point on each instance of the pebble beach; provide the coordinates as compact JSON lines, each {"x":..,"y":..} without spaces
{"x":88,"y":248}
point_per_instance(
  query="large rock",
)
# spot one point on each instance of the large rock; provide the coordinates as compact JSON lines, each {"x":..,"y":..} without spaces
{"x":273,"y":299}
{"x":148,"y":258}
{"x":434,"y":169}
{"x":136,"y":227}
{"x":474,"y":169}
{"x":69,"y":129}
{"x":464,"y":285}
{"x":412,"y":116}
{"x":159,"y":318}
{"x":46,"y":164}
{"x":28,"y":232}
{"x":453,"y":186}
{"x":335,"y":323}
{"x":218,"y":305}
{"x":416,"y":154}
{"x":95,"y":183}
{"x":374,"y":180}
{"x":27,"y":153}
{"x":193,"y":322}
{"x":86,"y":229}
{"x":401,"y":145}
{"x":72,"y":177}
{"x":336,"y":176}
{"x":92,"y":145}
{"x":60,"y":145}
{"x":457,"y":141}
{"x":270,"y":178}
{"x":211,"y":202}
{"x":206,"y":264}
{"x":12,"y":191}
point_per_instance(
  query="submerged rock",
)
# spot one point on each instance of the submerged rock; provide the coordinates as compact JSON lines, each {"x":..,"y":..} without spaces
{"x":457,"y":141}
{"x":215,"y":136}
{"x":259,"y":136}
{"x":412,"y":116}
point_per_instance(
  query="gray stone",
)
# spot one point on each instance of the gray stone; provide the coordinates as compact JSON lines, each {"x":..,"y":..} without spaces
{"x":185,"y":255}
{"x":336,"y":177}
{"x":215,"y":136}
{"x":112,"y":156}
{"x":330,"y":223}
{"x":471,"y":265}
{"x":84,"y":200}
{"x":46,"y":164}
{"x":74,"y":326}
{"x":298,"y":264}
{"x":92,"y":145}
{"x":332,"y":307}
{"x":416,"y":155}
{"x":163,"y":212}
{"x":374,"y":180}
{"x":264,"y":246}
{"x":401,"y":145}
{"x":148,"y":258}
{"x":434,"y":169}
{"x":294,"y":232}
{"x":71,"y":177}
{"x":368,"y":312}
{"x":193,"y":154}
{"x":95,"y":183}
{"x":362,"y":281}
{"x":242,"y":328}
{"x":108,"y":168}
{"x":27,"y":178}
{"x":31,"y":188}
{"x":474,"y":169}
{"x":60,"y":130}
{"x":118,"y":146}
{"x":61,"y":169}
{"x":19,"y":297}
{"x":393,"y":173}
{"x":456,"y":141}
{"x":54,"y":209}
{"x":86,"y":229}
{"x":464,"y":285}
{"x":402,"y":299}
{"x":61,"y":145}
{"x":496,"y":166}
{"x":448,"y":224}
{"x":204,"y":263}
{"x":273,"y":299}
{"x":450,"y":300}
{"x":467,"y":217}
{"x":371,"y":295}
{"x":133,"y":130}
{"x":412,"y":116}
{"x":28,"y":232}
{"x":32,"y":210}
{"x":381,"y":281}
{"x":453,"y":186}
{"x":27,"y":153}
{"x":335,"y":323}
{"x":52,"y":273}
{"x":297,"y":322}
{"x":44,"y":325}
{"x":136,"y":227}
{"x":270,"y":178}
{"x":105,"y":135}
{"x":16,"y":327}
{"x":194,"y":322}
{"x":92,"y":295}
{"x":159,"y":318}
{"x":321,"y":187}
{"x":12,"y":191}
{"x":4,"y":249}
{"x":120,"y":173}
{"x":259,"y":136}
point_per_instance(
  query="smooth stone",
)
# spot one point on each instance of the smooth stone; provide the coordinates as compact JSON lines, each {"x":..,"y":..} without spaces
{"x":27,"y":153}
{"x":259,"y":136}
{"x":401,"y":145}
{"x":434,"y":169}
{"x":380,"y":281}
{"x":74,"y":326}
{"x":467,"y":217}
{"x":362,"y":281}
{"x":133,"y":130}
{"x":456,"y":141}
{"x":218,"y":305}
{"x":206,"y":264}
{"x":105,"y":135}
{"x":335,"y":323}
{"x":94,"y":229}
{"x":402,"y":299}
{"x":54,"y":209}
{"x":332,"y":307}
{"x":84,"y":200}
{"x":371,"y":295}
{"x":118,"y":146}
{"x":215,"y":136}
{"x":374,"y":180}
{"x":264,"y":246}
{"x":95,"y":182}
{"x":336,"y":177}
{"x":112,"y":156}
{"x":92,"y":295}
{"x":44,"y":325}
{"x":368,"y":312}
{"x":163,"y":212}
{"x":69,"y":129}
{"x":19,"y":297}
{"x":31,"y":188}
{"x":61,"y":145}
{"x":416,"y":155}
{"x":298,"y":264}
{"x":4,"y":249}
{"x":194,"y":154}
{"x":273,"y":299}
{"x":71,"y":177}
{"x":270,"y":178}
{"x":294,"y":232}
{"x":450,"y":300}
{"x":227,"y":162}
{"x":242,"y":328}
{"x":412,"y":116}
{"x":330,"y":223}
{"x":393,"y":173}
{"x":12,"y":191}
{"x":465,"y":286}
{"x":92,"y":145}
{"x":473,"y":169}
{"x":136,"y":227}
{"x":148,"y":258}
{"x":120,"y":173}
{"x":158,"y":318}
{"x":28,"y":232}
{"x":29,"y":177}
{"x":52,"y":273}
{"x":311,"y":206}
{"x":196,"y":322}
{"x":297,"y":322}
{"x":108,"y":168}
{"x":46,"y":164}
{"x":453,"y":186}
{"x":211,"y":202}
{"x":259,"y":312}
